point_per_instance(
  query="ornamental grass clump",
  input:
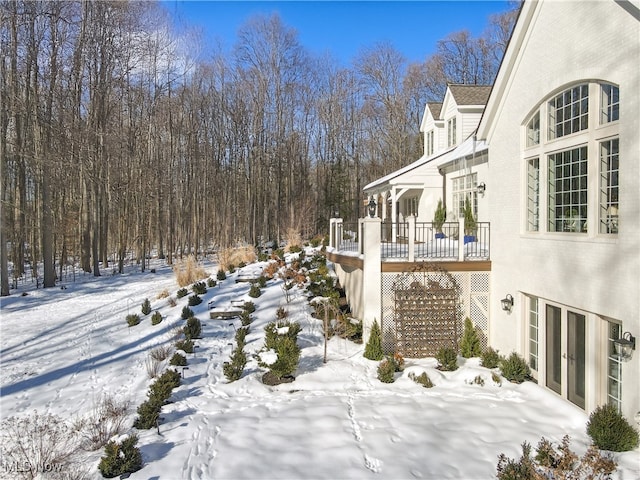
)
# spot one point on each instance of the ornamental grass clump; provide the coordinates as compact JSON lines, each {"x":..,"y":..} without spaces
{"x":609,"y":430}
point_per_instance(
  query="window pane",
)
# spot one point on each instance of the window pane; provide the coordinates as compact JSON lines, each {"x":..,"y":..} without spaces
{"x":569,"y":112}
{"x":609,"y":203}
{"x":568,"y":191}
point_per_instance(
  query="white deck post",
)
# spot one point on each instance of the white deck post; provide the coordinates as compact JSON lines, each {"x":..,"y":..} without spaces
{"x":411,"y":237}
{"x":371,"y":275}
{"x":461,"y":239}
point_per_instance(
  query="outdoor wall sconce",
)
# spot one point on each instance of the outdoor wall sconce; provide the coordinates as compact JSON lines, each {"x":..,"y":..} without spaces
{"x":624,"y":346}
{"x":507,"y":303}
{"x":481,"y":188}
{"x":372,"y":207}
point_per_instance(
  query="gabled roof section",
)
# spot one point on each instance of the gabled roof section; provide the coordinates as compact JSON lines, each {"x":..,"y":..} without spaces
{"x":432,"y":109}
{"x":435,"y":108}
{"x":470,"y":94}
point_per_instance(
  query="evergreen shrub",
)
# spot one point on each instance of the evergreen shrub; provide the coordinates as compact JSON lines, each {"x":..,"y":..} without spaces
{"x":514,"y":368}
{"x":386,"y":370}
{"x":246,"y":319}
{"x":133,"y":319}
{"x":194,"y":300}
{"x":254,"y":291}
{"x":178,"y":360}
{"x":447,"y":359}
{"x":183,"y":292}
{"x":234,"y":368}
{"x":221,"y":275}
{"x":199,"y":288}
{"x":121,"y":458}
{"x":193,"y":328}
{"x":373,"y":349}
{"x":241,"y":335}
{"x":470,"y":343}
{"x":281,"y":337}
{"x":281,"y":313}
{"x":156,"y":318}
{"x":609,"y":430}
{"x":185,"y":345}
{"x":490,"y":358}
{"x":211,"y":283}
{"x":249,"y":307}
{"x":186,"y":313}
{"x":146,"y":307}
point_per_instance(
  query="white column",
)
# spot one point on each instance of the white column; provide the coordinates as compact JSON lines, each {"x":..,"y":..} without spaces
{"x":371,"y":275}
{"x":411,"y":237}
{"x":461,"y":239}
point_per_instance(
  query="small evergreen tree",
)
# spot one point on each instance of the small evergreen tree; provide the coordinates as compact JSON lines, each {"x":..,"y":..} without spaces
{"x":470,"y":344}
{"x":156,"y":318}
{"x":121,"y":458}
{"x":514,"y":368}
{"x":146,"y":307}
{"x":490,"y":358}
{"x":373,"y":349}
{"x":447,"y":359}
{"x":609,"y":430}
{"x":235,"y":366}
{"x":386,"y":370}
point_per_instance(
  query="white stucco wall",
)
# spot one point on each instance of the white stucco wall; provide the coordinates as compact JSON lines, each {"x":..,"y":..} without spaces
{"x":568,"y":42}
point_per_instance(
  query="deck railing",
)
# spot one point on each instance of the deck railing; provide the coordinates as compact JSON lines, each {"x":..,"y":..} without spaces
{"x":411,"y":240}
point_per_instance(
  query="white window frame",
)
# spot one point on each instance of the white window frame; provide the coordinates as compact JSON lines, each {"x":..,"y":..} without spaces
{"x":462,"y":187}
{"x":451,"y":132}
{"x":609,"y":185}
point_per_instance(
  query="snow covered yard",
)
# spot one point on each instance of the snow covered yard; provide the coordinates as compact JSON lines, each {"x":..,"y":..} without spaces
{"x":64,"y":350}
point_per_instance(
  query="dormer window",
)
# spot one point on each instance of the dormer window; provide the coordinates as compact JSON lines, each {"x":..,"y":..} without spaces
{"x":451,"y":132}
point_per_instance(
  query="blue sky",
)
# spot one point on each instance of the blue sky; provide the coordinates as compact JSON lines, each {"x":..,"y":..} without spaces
{"x":342,"y":28}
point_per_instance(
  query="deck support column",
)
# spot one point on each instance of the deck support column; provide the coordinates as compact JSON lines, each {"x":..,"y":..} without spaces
{"x":371,"y":275}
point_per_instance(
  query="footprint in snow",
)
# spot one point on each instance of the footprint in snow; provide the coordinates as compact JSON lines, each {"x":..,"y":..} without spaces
{"x":373,"y":464}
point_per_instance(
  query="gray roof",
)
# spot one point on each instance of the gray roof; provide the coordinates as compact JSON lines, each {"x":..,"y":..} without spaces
{"x":435,"y":108}
{"x":470,"y":94}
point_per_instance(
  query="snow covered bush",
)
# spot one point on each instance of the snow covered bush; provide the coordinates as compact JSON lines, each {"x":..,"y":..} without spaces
{"x":422,"y":379}
{"x":159,"y":392}
{"x":185,"y":345}
{"x":514,"y":368}
{"x":121,"y":457}
{"x":178,"y":360}
{"x":133,"y":319}
{"x":254,"y":291}
{"x":373,"y":349}
{"x":490,"y":358}
{"x":470,"y":343}
{"x":234,"y":368}
{"x":39,"y":441}
{"x":447,"y":359}
{"x":199,"y":288}
{"x":183,"y":292}
{"x":609,"y":430}
{"x":156,"y":318}
{"x":193,"y":328}
{"x":552,"y":462}
{"x":104,"y":422}
{"x":281,"y":352}
{"x":146,"y":307}
{"x":194,"y":300}
{"x":386,"y":370}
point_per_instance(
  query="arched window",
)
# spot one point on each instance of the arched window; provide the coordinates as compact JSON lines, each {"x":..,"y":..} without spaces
{"x":581,"y":141}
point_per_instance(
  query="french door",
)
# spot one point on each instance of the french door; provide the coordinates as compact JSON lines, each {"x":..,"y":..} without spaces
{"x":565,"y":353}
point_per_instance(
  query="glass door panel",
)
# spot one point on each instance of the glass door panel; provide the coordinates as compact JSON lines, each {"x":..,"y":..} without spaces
{"x":553,"y":320}
{"x":576,"y":358}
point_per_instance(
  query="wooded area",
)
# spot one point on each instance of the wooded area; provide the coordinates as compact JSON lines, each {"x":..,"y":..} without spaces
{"x":119,"y":135}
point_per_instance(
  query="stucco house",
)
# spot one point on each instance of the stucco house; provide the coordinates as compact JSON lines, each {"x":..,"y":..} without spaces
{"x":562,"y":126}
{"x":554,"y":146}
